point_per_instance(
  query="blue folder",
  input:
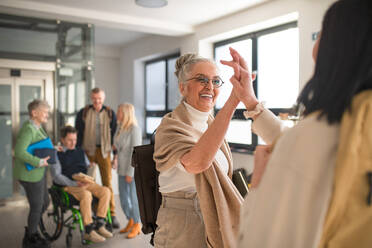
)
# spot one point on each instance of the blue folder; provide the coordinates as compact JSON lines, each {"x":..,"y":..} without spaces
{"x":45,"y":143}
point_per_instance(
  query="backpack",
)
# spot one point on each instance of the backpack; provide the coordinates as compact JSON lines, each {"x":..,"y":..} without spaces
{"x":146,"y":178}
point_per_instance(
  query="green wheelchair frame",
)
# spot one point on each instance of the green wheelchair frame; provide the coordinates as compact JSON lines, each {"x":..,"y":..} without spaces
{"x":52,"y":221}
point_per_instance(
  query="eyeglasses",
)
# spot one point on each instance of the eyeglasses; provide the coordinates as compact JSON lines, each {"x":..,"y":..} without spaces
{"x":203,"y":80}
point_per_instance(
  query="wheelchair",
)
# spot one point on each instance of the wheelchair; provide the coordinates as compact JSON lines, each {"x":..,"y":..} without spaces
{"x":64,"y":212}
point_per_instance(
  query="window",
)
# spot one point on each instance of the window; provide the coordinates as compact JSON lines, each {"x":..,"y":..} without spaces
{"x":72,"y":93}
{"x":161,"y":90}
{"x":274,"y":54}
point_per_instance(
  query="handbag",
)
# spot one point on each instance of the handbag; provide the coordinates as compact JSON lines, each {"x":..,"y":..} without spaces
{"x":146,"y":178}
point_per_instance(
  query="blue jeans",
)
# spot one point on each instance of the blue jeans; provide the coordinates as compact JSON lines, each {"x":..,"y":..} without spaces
{"x":128,"y":199}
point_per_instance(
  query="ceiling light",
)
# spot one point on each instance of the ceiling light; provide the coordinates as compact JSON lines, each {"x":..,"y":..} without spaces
{"x":152,"y":3}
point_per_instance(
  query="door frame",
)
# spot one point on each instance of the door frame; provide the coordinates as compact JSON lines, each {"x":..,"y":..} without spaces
{"x":8,"y":82}
{"x":30,"y":71}
{"x":35,"y":70}
{"x":27,"y":65}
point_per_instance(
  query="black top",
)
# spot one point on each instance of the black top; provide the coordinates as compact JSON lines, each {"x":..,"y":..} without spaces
{"x":72,"y":162}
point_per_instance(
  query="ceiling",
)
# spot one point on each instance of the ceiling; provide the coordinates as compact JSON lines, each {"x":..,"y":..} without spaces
{"x":121,"y":21}
{"x":115,"y":37}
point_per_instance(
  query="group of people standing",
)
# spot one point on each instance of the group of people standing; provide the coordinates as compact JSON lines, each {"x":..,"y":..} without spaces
{"x":98,"y":133}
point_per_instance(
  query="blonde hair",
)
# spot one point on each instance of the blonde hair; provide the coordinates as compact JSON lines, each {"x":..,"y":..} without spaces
{"x":129,"y":117}
{"x":185,"y":63}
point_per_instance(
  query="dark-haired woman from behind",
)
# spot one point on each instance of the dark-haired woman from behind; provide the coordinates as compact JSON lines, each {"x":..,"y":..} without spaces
{"x":315,"y":189}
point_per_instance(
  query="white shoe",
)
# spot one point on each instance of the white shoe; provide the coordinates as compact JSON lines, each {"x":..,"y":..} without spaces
{"x":104,"y":232}
{"x":94,"y":237}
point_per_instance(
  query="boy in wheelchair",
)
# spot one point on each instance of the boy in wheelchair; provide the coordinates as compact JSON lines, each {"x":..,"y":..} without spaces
{"x":70,"y":161}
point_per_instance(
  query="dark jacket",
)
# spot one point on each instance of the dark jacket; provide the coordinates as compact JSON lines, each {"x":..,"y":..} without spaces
{"x":80,"y":123}
{"x":72,"y":162}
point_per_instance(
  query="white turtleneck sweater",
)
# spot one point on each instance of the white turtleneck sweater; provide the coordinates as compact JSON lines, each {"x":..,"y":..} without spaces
{"x":177,"y":178}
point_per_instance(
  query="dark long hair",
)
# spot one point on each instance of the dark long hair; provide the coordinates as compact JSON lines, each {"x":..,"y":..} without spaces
{"x":344,"y":62}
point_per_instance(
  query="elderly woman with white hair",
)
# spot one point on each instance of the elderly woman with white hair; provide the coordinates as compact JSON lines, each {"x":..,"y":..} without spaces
{"x":200,"y":205}
{"x":33,"y":181}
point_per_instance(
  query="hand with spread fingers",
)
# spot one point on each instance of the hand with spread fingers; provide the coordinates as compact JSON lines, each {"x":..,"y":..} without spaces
{"x":242,"y":80}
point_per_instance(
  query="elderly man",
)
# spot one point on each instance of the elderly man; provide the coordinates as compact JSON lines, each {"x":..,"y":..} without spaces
{"x":72,"y":160}
{"x":96,"y":126}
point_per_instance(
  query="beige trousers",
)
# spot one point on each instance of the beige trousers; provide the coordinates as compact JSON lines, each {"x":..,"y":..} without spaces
{"x":84,"y":196}
{"x":104,"y":165}
{"x":180,"y":222}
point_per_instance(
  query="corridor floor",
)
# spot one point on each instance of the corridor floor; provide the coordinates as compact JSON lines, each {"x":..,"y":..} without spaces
{"x":13,"y":219}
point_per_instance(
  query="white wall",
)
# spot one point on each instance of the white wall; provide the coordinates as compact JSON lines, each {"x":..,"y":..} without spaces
{"x":308,"y":12}
{"x":132,"y":68}
{"x":107,"y":73}
{"x":107,"y":77}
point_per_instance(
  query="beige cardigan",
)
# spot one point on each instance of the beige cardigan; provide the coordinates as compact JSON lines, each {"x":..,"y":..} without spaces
{"x":89,"y":139}
{"x":314,"y":197}
{"x":219,"y":200}
{"x":288,"y":208}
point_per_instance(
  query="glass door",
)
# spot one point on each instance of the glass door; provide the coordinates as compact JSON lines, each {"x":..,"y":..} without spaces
{"x":26,"y":91}
{"x":15,"y":95}
{"x":6,"y":174}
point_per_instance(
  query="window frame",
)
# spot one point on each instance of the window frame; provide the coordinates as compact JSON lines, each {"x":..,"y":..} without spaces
{"x":158,"y":113}
{"x":238,"y":115}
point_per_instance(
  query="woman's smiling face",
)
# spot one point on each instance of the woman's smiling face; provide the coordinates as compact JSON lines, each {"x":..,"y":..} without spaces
{"x":40,"y":115}
{"x":200,"y":96}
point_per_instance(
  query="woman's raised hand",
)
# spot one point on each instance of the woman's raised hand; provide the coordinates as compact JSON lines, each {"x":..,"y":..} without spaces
{"x":242,"y":80}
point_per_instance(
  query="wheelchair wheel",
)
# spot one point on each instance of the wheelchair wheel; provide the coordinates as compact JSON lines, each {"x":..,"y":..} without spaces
{"x":51,"y":223}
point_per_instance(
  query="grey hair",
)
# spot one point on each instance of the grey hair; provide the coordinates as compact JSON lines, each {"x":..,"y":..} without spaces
{"x":185,"y":63}
{"x":35,"y":104}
